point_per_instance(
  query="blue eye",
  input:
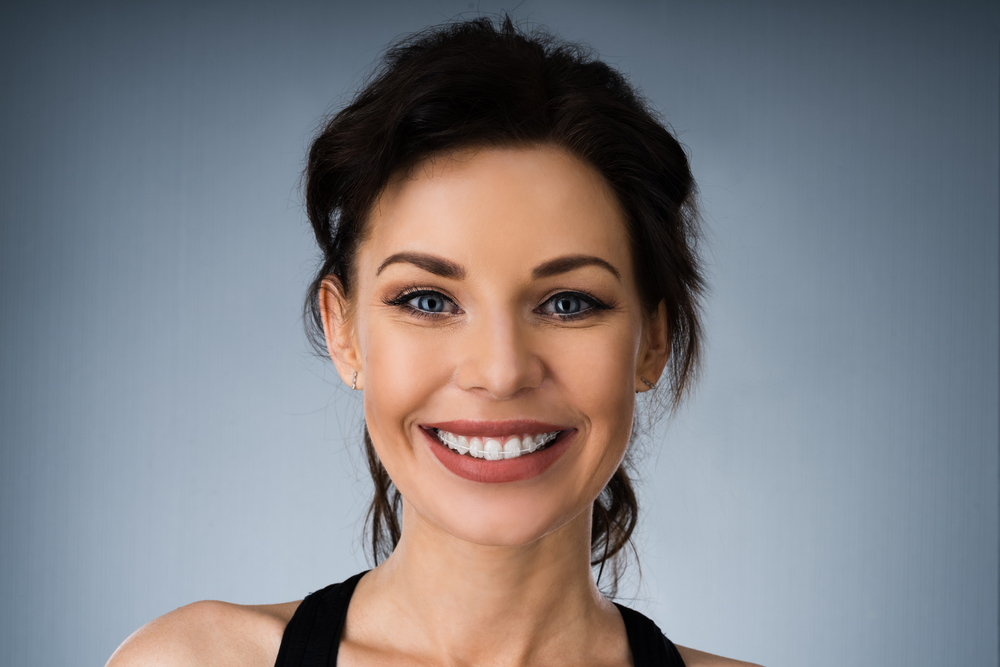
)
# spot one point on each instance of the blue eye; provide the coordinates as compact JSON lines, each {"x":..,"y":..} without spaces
{"x":567,"y":304}
{"x":423,"y":303}
{"x":430,"y":303}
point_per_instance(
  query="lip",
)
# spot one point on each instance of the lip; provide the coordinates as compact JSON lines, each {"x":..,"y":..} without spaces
{"x":523,"y":467}
{"x":469,"y":427}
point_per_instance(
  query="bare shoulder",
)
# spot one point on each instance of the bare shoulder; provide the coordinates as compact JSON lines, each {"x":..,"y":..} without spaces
{"x":693,"y":658}
{"x":208,"y":633}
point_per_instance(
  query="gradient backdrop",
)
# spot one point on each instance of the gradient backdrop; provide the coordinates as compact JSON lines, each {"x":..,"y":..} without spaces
{"x":828,"y":497}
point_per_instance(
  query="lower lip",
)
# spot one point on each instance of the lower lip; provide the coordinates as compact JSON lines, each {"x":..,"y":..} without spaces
{"x":524,"y":466}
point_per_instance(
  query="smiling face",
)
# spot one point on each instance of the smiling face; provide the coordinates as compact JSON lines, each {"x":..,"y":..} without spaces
{"x":494,"y":298}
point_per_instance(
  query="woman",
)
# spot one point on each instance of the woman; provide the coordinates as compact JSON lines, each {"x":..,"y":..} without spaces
{"x":508,"y":260}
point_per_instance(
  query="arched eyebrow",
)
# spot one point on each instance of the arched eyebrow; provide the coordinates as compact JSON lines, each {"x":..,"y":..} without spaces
{"x":430,"y":263}
{"x":445,"y":268}
{"x":554,"y":267}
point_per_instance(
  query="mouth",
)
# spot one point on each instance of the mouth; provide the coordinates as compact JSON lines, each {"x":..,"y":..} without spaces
{"x":497,"y":451}
{"x":496,"y":448}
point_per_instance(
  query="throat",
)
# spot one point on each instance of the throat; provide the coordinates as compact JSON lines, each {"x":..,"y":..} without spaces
{"x":468,"y":610}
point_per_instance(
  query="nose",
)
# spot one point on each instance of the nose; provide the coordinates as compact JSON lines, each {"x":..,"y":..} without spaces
{"x":498,"y":359}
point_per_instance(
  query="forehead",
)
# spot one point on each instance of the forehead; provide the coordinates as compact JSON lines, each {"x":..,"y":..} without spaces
{"x":528,"y":204}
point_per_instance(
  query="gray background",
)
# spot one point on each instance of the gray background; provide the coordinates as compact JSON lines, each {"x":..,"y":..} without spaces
{"x":828,"y":497}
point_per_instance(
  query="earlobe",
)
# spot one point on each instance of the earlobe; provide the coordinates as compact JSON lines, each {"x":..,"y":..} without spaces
{"x":655,"y":350}
{"x":338,"y":331}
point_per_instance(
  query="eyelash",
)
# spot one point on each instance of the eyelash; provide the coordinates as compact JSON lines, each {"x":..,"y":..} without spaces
{"x":409,"y":293}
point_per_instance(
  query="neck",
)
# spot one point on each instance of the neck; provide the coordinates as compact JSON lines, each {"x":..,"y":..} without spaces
{"x":499,"y":604}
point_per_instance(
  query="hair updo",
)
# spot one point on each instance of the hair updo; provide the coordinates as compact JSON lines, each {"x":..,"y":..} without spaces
{"x":480,"y":83}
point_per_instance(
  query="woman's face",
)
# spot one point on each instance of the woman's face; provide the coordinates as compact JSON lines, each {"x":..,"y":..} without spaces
{"x":494,"y":298}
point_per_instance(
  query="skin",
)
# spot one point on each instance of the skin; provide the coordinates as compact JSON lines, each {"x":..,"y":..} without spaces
{"x":484,"y":574}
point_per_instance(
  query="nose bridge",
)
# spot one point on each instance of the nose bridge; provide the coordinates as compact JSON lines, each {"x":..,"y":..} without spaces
{"x":498,"y":355}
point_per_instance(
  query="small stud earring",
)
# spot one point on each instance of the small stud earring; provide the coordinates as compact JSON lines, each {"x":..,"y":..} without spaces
{"x":354,"y":382}
{"x":648,"y":383}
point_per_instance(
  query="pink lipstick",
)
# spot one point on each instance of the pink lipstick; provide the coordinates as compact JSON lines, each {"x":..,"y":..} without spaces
{"x":524,"y":466}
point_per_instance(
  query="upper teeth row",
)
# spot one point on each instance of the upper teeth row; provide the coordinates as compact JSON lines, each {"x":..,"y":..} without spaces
{"x":491,"y":449}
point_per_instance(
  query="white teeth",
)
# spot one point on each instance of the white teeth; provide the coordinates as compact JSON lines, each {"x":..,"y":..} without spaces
{"x":476,"y":448}
{"x":495,"y":449}
{"x":512,"y":448}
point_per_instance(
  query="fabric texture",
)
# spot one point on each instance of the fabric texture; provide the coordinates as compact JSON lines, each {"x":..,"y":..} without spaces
{"x":312,"y":637}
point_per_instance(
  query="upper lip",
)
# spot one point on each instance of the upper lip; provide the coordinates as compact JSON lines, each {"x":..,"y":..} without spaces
{"x":469,"y":427}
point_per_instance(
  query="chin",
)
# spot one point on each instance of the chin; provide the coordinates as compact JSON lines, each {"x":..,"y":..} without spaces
{"x":502,"y":522}
{"x":506,"y":531}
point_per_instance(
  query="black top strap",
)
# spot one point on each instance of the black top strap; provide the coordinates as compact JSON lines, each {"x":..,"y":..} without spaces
{"x":312,"y":637}
{"x":650,"y":647}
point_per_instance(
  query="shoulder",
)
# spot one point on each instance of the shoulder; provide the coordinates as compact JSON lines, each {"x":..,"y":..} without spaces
{"x":208,"y":633}
{"x":693,"y":658}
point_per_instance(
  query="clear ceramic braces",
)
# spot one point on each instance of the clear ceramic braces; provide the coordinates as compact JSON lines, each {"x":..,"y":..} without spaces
{"x":495,"y":449}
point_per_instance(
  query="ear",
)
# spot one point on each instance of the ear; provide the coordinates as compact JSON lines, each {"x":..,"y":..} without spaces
{"x":339,"y":331}
{"x":654,"y":350}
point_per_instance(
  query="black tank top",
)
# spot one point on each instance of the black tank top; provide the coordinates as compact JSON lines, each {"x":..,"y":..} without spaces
{"x":312,"y":637}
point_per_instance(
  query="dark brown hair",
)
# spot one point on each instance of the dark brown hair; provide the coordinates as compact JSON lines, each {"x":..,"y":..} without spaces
{"x":490,"y":83}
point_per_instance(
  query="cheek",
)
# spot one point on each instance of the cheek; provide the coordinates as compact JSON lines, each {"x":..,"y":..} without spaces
{"x":403,"y":372}
{"x":596,"y":374}
{"x":598,"y":370}
{"x":403,"y":368}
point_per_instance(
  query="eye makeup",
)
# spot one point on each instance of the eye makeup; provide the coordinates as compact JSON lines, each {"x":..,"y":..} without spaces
{"x":583,"y":304}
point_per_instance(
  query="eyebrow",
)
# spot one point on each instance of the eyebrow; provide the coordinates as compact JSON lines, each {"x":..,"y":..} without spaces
{"x":448,"y":269}
{"x":436,"y":265}
{"x":554,"y":267}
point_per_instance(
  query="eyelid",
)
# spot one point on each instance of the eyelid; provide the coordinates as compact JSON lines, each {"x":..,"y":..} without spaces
{"x":581,"y":293}
{"x":413,"y":291}
{"x":596,"y":304}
